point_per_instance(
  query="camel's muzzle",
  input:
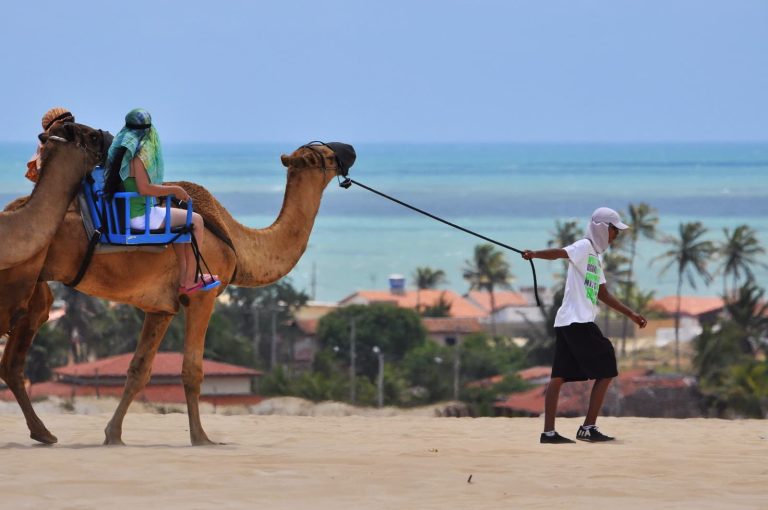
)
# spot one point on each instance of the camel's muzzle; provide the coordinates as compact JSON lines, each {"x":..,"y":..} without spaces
{"x":70,"y":132}
{"x":343,"y":153}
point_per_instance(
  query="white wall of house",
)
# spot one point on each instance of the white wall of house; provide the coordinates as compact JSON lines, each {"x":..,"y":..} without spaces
{"x":689,"y":329}
{"x":213,"y":385}
{"x":518,"y":314}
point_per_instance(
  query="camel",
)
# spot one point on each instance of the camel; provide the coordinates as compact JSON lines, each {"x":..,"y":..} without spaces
{"x":149,"y":281}
{"x":32,"y":226}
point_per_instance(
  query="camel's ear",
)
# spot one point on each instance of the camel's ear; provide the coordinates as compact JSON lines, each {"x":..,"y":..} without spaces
{"x":293,"y":161}
{"x":43,"y":137}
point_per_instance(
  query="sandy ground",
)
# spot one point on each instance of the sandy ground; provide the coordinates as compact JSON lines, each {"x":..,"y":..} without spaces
{"x":398,"y":462}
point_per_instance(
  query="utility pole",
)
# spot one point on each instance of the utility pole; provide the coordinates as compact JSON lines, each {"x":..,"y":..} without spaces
{"x":453,"y":342}
{"x":273,"y":344}
{"x":256,"y":333}
{"x":352,"y":368}
{"x":313,"y":281}
{"x":456,"y":366}
{"x":275,"y":308}
{"x":380,"y":377}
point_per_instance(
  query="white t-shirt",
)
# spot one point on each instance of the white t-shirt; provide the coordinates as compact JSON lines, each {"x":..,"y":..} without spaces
{"x":585,"y":275}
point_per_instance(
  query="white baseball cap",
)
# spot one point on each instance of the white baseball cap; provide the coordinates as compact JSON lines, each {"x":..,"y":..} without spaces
{"x":608,"y":216}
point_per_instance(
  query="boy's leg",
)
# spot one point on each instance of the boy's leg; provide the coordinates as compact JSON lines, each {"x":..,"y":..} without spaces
{"x":599,"y":389}
{"x":550,"y":402}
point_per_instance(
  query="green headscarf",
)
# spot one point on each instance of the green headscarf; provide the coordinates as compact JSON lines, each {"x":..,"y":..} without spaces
{"x":140,"y":139}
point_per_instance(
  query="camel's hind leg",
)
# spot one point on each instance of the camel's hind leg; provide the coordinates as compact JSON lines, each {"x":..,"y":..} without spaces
{"x":139,"y":372}
{"x":198,"y":314}
{"x":15,"y":355}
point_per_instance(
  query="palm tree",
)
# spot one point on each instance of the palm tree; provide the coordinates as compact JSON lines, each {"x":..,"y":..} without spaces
{"x":78,"y":323}
{"x":748,"y":309}
{"x":642,"y":223}
{"x":690,"y":253}
{"x":427,"y":278}
{"x":739,"y":252}
{"x":565,"y":234}
{"x":640,"y":302}
{"x":488,"y":271}
{"x":615,"y":271}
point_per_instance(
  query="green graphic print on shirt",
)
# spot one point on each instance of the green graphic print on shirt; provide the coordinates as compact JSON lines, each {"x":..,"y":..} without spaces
{"x":592,"y":278}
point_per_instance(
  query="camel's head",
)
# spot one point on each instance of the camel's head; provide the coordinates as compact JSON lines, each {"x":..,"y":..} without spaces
{"x":334,"y":158}
{"x":93,"y":144}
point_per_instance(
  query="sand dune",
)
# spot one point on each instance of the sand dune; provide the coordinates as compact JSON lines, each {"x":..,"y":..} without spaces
{"x":400,"y":462}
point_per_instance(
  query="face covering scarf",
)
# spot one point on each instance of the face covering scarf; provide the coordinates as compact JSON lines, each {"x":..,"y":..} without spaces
{"x":597,"y":233}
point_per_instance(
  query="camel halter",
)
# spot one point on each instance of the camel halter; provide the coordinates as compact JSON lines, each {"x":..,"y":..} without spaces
{"x":347,"y":182}
{"x":342,"y":165}
{"x":98,"y":153}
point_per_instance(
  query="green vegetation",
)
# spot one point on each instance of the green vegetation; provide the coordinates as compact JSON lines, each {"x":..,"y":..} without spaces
{"x":257,"y":328}
{"x":488,"y":271}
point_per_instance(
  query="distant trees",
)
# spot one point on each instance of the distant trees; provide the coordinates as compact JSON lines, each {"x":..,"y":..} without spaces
{"x":565,"y":234}
{"x":394,"y":330}
{"x":260,"y":316}
{"x":427,"y":278}
{"x":690,"y":254}
{"x":643,"y":221}
{"x":729,"y":358}
{"x":739,"y":252}
{"x":731,"y":375}
{"x":488,"y":271}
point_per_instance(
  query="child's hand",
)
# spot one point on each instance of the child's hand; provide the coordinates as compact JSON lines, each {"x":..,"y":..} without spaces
{"x":639,"y":320}
{"x":181,"y":194}
{"x":527,"y":254}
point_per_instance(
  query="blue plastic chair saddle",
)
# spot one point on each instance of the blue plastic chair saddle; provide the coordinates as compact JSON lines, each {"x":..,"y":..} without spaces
{"x":112,"y":217}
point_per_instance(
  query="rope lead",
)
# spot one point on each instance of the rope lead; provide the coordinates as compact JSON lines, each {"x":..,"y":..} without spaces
{"x":346,"y":183}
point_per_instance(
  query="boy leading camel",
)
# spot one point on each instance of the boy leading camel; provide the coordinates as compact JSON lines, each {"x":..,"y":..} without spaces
{"x":581,"y":350}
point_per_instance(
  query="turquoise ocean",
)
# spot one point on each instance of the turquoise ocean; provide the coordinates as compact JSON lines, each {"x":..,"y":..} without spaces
{"x":510,"y":192}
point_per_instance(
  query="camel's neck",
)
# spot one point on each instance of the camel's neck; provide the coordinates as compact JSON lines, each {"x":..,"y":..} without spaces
{"x":30,"y":228}
{"x":266,"y":255}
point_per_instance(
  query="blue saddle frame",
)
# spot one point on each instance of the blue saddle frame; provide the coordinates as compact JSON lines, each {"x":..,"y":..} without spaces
{"x":115,"y":225}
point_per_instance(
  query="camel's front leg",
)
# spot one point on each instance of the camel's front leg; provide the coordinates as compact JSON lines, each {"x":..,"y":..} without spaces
{"x":139,"y":372}
{"x":198,"y":314}
{"x":15,"y":354}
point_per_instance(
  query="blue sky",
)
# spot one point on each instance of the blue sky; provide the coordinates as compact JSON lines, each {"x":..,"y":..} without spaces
{"x":394,"y":71}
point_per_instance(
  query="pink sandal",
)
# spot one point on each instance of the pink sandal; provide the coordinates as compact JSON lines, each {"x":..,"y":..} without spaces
{"x":190,"y":290}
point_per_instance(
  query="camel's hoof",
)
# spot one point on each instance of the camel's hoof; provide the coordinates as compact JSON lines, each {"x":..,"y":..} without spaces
{"x":203,"y":442}
{"x":113,"y":442}
{"x":44,"y":437}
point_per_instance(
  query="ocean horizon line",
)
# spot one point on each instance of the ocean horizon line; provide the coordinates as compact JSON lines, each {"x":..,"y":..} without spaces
{"x":453,"y":142}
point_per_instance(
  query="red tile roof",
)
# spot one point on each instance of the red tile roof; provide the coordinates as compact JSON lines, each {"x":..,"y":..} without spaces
{"x":574,"y":396}
{"x":166,"y":364}
{"x":538,"y":372}
{"x":307,"y":326}
{"x":487,"y":382}
{"x":502,"y":298}
{"x":689,"y":305}
{"x":460,"y":307}
{"x":462,"y":325}
{"x":528,"y":374}
{"x":168,"y":393}
{"x":173,"y":393}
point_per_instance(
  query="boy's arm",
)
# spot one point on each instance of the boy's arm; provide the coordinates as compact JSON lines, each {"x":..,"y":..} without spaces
{"x":551,"y":254}
{"x":608,"y":298}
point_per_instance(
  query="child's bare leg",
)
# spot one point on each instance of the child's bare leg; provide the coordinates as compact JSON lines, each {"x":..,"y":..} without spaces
{"x":550,"y":402}
{"x":184,"y":254}
{"x":199,"y":229}
{"x":599,"y":389}
{"x":181,"y":258}
{"x":191,"y":264}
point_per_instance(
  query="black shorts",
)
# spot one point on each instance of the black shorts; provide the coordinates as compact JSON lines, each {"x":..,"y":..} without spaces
{"x":582,"y":352}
